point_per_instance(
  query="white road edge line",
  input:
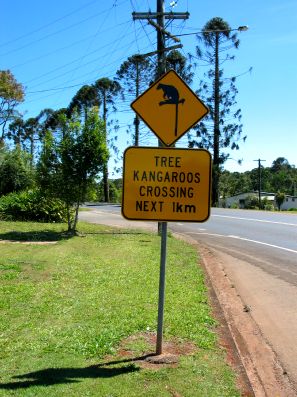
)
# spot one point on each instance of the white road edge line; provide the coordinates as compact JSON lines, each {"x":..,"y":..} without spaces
{"x":255,"y":220}
{"x":247,"y":239}
{"x":106,"y":213}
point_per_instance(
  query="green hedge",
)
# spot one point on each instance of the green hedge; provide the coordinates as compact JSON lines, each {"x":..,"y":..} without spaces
{"x":32,"y":206}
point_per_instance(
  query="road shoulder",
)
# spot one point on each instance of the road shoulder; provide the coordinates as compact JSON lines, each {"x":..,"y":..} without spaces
{"x":264,"y":371}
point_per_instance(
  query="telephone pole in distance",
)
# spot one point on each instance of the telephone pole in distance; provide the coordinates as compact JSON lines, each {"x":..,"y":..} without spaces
{"x":259,"y":180}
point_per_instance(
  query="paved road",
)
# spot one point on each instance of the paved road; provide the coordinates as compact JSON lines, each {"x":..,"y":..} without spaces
{"x":259,"y":253}
{"x":269,"y":238}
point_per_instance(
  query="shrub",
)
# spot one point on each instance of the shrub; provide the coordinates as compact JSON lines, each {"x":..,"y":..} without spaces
{"x":32,"y":206}
{"x":251,"y":202}
{"x":279,"y":199}
{"x":223,"y":203}
{"x":269,"y":207}
{"x":16,"y":173}
{"x":115,"y":191}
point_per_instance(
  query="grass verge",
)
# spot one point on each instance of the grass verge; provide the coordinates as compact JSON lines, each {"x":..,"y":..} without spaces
{"x":67,"y":307}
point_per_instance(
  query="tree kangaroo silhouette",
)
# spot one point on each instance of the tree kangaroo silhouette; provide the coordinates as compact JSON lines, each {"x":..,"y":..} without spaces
{"x":171,"y":96}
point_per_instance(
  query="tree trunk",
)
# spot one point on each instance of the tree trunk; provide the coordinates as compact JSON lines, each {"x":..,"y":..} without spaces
{"x":105,"y":168}
{"x":69,"y":219}
{"x":136,"y":123}
{"x":75,"y":217}
{"x":216,"y":137}
{"x":32,"y":149}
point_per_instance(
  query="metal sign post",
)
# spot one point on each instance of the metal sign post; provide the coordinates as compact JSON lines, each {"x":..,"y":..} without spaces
{"x":161,"y":288}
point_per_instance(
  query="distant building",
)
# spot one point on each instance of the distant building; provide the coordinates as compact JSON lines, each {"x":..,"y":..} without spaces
{"x":290,"y":202}
{"x":240,"y":200}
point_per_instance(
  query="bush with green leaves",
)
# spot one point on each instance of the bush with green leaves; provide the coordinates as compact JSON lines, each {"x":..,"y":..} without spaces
{"x":16,"y":173}
{"x":251,"y":202}
{"x":115,"y":192}
{"x":32,"y":206}
{"x":269,"y":207}
{"x":279,"y":199}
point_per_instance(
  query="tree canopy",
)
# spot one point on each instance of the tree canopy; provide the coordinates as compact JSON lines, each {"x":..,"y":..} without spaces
{"x":84,"y":100}
{"x":283,"y":180}
{"x":11,"y":94}
{"x":69,"y":162}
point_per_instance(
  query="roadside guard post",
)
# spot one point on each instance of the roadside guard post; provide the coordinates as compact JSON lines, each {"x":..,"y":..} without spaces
{"x":167,"y":184}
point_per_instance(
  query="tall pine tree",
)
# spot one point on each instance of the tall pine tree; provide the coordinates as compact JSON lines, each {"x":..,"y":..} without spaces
{"x":221,"y":130}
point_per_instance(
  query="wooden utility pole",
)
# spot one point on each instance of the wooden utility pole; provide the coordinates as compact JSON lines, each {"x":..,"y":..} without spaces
{"x":136,"y":120}
{"x":259,"y":181}
{"x":160,"y":16}
{"x":161,"y":69}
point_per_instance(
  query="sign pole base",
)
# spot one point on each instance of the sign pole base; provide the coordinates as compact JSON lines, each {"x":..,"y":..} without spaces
{"x":161,"y":289}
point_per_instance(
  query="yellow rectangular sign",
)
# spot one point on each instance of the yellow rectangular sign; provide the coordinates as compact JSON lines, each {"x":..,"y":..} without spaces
{"x":166,"y":184}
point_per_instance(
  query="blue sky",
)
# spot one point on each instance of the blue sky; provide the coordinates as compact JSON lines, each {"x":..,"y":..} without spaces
{"x":54,"y":47}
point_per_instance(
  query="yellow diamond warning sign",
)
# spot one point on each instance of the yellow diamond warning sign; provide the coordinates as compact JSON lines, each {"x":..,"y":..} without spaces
{"x":169,"y":108}
{"x":166,"y":184}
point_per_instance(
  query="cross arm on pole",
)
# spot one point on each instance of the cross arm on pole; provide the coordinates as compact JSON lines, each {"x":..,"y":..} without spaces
{"x":155,"y":15}
{"x":173,"y":47}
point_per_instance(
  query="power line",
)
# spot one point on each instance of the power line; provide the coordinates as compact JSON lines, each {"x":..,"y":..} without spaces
{"x":67,"y":46}
{"x":80,"y":84}
{"x":47,"y":25}
{"x":91,"y":43}
{"x":70,"y":63}
{"x":239,"y":29}
{"x":58,"y":31}
{"x":116,"y":44}
{"x":53,"y":91}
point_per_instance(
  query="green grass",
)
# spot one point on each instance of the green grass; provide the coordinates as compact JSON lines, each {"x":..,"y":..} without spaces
{"x":66,"y":307}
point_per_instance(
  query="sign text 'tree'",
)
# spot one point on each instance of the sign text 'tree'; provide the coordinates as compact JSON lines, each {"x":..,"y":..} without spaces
{"x":169,"y":107}
{"x":166,"y":184}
